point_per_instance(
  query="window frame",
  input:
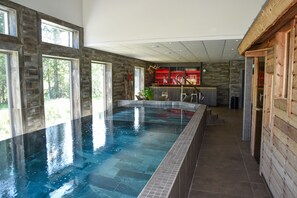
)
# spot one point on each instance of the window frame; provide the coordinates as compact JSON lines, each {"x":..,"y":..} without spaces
{"x":13,"y":91}
{"x":287,"y":63}
{"x":11,"y":21}
{"x":6,"y":21}
{"x":284,"y":53}
{"x":75,"y":110}
{"x":73,"y":40}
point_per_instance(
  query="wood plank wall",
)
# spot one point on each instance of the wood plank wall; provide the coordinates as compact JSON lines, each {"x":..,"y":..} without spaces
{"x":278,"y":162}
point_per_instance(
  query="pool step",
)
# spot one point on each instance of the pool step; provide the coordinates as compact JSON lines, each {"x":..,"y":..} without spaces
{"x":213,"y":118}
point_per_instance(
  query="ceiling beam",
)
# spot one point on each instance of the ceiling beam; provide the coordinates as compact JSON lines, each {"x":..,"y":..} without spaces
{"x":272,"y":11}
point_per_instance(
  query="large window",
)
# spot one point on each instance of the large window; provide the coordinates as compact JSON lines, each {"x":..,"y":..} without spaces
{"x":5,"y":125}
{"x":57,"y":90}
{"x":10,"y":98}
{"x":139,"y":80}
{"x":8,"y":21}
{"x":58,"y":35}
{"x":98,"y":87}
{"x":101,"y":87}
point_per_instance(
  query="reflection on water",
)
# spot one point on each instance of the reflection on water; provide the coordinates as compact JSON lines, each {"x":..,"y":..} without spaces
{"x":7,"y":179}
{"x":136,"y":118}
{"x":139,"y":117}
{"x":101,"y":156}
{"x":67,"y":188}
{"x":99,"y":131}
{"x":59,"y":145}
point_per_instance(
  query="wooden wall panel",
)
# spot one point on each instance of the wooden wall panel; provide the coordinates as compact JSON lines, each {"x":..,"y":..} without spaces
{"x":294,"y":108}
{"x":276,"y":181}
{"x":281,"y":147}
{"x":279,"y":64}
{"x":290,"y":178}
{"x":280,"y":167}
{"x":265,"y":162}
{"x":292,"y":153}
{"x":280,"y":135}
{"x":286,"y":128}
{"x":278,"y":162}
{"x":266,"y":167}
{"x":268,"y":99}
{"x":266,"y":134}
{"x":270,"y":62}
{"x":287,"y":191}
{"x":281,"y":104}
{"x":294,"y":69}
{"x":293,"y":163}
{"x":294,"y":94}
{"x":294,"y":82}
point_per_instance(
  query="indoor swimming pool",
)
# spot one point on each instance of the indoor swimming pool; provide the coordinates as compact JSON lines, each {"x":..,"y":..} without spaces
{"x":100,"y":156}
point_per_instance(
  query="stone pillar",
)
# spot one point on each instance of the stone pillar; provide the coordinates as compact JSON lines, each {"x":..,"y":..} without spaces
{"x":75,"y":90}
{"x":247,"y":106}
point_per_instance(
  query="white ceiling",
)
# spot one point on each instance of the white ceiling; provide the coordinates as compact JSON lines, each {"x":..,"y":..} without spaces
{"x":169,"y":30}
{"x":182,"y":51}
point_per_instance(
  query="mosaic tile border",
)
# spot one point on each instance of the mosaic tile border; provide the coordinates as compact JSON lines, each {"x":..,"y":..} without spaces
{"x":174,"y":175}
{"x":155,"y":103}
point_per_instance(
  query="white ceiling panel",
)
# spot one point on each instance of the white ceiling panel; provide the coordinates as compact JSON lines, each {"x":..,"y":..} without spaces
{"x":215,"y":49}
{"x":198,"y":50}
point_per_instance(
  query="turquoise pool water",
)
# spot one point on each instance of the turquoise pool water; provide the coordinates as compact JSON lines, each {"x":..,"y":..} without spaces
{"x":99,"y":156}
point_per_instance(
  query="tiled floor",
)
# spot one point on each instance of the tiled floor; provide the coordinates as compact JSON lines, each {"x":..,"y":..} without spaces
{"x":225,"y":168}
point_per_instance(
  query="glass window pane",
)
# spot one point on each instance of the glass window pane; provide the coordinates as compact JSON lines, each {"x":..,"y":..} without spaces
{"x":3,"y":22}
{"x":98,"y":90}
{"x":137,"y":81}
{"x":56,"y":88}
{"x":5,"y":128}
{"x":54,"y":34}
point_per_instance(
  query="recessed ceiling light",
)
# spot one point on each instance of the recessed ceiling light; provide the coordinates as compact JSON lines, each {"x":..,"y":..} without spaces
{"x":232,"y":49}
{"x":236,"y":40}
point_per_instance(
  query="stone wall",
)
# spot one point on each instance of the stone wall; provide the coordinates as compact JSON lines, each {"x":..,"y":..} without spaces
{"x":120,"y":66}
{"x":30,"y":50}
{"x":236,"y":89}
{"x":217,"y":75}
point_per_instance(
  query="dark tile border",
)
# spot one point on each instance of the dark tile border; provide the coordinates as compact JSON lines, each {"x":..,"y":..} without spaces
{"x":174,"y":175}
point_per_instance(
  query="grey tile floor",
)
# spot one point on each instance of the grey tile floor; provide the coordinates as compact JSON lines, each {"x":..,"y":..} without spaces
{"x":225,"y":167}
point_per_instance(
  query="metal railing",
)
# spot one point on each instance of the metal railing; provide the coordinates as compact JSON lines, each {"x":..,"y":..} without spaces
{"x":199,"y":97}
